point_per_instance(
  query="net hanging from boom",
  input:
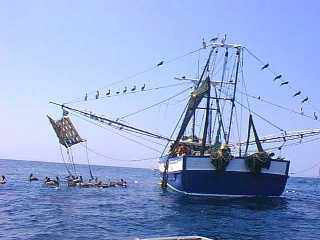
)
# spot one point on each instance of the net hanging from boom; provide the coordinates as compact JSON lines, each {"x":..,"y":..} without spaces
{"x":66,"y":132}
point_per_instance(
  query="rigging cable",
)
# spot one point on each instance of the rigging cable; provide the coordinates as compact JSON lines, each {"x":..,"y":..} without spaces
{"x":148,"y":69}
{"x":127,"y":93}
{"x":71,"y":159}
{"x":156,"y":104}
{"x":126,"y":137}
{"x":297,"y":92}
{"x":261,"y":117}
{"x":256,"y":114}
{"x":279,"y":106}
{"x":90,"y":171}
{"x":62,"y":157}
{"x":118,"y":159}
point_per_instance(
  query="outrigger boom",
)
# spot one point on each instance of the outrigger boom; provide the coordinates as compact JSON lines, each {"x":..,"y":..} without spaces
{"x":109,"y":121}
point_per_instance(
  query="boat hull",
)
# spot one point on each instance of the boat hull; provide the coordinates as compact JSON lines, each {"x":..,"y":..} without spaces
{"x":197,"y":176}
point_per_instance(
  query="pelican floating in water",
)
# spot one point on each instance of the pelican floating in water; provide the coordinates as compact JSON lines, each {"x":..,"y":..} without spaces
{"x":52,"y":182}
{"x":33,"y":178}
{"x":3,"y":180}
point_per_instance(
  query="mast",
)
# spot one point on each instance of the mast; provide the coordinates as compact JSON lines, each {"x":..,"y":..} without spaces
{"x":202,"y":87}
{"x":205,"y":131}
{"x":234,"y":93}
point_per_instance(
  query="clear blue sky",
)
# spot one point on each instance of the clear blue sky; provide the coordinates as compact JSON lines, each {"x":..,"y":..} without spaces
{"x":58,"y":50}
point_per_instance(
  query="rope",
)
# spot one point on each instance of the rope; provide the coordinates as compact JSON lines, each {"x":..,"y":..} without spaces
{"x":91,"y":175}
{"x":275,"y":75}
{"x":71,"y":159}
{"x":127,"y":93}
{"x":62,"y":157}
{"x":156,"y":104}
{"x":118,"y":159}
{"x":126,"y":137}
{"x":279,"y":106}
{"x":148,"y":69}
{"x":258,"y":115}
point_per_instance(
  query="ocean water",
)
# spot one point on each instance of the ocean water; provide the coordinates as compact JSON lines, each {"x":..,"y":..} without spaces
{"x":34,"y":211}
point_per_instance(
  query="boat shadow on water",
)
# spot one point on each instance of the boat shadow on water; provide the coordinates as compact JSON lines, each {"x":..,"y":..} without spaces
{"x":251,"y":203}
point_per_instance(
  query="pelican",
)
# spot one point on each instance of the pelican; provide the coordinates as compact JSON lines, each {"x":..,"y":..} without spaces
{"x":160,"y":63}
{"x":277,"y":77}
{"x":265,"y":66}
{"x":3,"y":180}
{"x":33,"y":178}
{"x":297,"y":93}
{"x":284,"y":83}
{"x":214,"y":39}
{"x":304,"y":100}
{"x":52,"y":182}
{"x":204,"y":45}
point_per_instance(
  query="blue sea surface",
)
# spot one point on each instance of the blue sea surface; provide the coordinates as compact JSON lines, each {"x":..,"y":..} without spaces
{"x":34,"y":211}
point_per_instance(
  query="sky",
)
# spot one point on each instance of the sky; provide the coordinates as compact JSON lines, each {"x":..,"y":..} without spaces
{"x":59,"y":50}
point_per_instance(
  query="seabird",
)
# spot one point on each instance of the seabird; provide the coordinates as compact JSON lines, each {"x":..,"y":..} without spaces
{"x":108,"y":93}
{"x":214,"y":39}
{"x":3,"y":180}
{"x":277,"y":77}
{"x":265,"y":66}
{"x":143,"y":87}
{"x":204,"y":45}
{"x":297,"y":94}
{"x":304,"y":100}
{"x":160,"y":63}
{"x":284,"y":83}
{"x":32,"y":178}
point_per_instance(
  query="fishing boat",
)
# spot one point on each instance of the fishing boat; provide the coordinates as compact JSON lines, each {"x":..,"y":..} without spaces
{"x":202,"y":156}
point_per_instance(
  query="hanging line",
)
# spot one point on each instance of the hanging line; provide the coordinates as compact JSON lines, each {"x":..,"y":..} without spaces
{"x":62,"y":157}
{"x":70,"y":152}
{"x":90,"y":171}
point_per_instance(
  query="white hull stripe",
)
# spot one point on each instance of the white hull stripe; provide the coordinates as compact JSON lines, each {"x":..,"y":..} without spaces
{"x":210,"y":195}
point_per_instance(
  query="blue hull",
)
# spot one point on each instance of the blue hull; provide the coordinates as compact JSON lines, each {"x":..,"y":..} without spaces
{"x":213,"y":183}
